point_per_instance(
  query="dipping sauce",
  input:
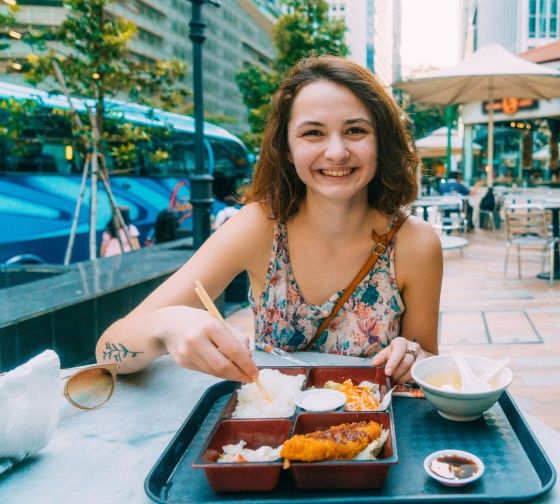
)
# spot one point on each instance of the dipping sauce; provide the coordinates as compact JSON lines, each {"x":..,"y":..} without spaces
{"x":454,"y":467}
{"x":320,"y":400}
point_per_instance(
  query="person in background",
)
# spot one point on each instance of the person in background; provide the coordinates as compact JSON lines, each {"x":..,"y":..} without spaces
{"x":321,"y":217}
{"x":165,"y":228}
{"x":225,"y":213}
{"x":115,"y":244}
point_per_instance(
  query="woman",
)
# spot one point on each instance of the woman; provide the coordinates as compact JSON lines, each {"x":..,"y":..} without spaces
{"x":115,"y":244}
{"x":334,"y":171}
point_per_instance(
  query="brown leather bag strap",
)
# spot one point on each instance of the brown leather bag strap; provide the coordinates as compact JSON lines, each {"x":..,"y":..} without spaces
{"x":379,"y":248}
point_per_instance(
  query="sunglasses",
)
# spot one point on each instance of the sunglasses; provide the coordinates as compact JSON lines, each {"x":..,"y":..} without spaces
{"x":90,"y":387}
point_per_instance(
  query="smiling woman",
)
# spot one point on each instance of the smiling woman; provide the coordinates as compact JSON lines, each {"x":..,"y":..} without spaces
{"x":340,"y":147}
{"x":335,"y":173}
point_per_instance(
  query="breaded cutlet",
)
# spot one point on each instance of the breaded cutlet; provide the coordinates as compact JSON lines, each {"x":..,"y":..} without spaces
{"x":340,"y":442}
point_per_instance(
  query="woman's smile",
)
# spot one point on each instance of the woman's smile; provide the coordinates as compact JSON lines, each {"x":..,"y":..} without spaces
{"x":333,"y":149}
{"x":336,"y":172}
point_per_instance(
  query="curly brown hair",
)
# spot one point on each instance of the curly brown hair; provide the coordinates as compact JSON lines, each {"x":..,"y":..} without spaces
{"x":275,"y":182}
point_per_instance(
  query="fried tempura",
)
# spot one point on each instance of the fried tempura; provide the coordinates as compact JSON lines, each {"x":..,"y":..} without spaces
{"x":341,"y":442}
{"x":358,"y":397}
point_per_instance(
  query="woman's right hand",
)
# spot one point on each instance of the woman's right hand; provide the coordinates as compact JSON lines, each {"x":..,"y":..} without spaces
{"x":198,"y":341}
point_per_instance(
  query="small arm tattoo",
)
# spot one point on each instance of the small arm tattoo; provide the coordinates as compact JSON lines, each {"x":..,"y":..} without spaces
{"x":118,"y":352}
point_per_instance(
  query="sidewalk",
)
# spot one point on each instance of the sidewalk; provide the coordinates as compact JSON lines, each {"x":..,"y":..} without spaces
{"x":484,"y":315}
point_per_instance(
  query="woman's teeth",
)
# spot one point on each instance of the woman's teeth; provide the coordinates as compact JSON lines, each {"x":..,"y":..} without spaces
{"x":337,"y":173}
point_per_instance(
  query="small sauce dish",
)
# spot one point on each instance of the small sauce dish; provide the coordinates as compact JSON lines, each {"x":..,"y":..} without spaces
{"x":453,"y":467}
{"x":320,"y":400}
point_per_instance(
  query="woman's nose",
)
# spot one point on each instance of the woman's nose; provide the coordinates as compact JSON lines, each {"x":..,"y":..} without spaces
{"x":336,"y":149}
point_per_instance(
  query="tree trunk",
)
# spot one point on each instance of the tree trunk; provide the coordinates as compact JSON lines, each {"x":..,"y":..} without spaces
{"x":554,"y":125}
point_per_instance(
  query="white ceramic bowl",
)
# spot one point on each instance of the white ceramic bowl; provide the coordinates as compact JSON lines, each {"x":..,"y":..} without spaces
{"x":457,"y":455}
{"x":435,"y":371}
{"x":320,"y":400}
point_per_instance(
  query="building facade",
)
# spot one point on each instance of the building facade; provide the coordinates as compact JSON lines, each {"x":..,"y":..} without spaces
{"x":531,"y":29}
{"x":373,"y":35}
{"x":518,"y":25}
{"x":237,"y":32}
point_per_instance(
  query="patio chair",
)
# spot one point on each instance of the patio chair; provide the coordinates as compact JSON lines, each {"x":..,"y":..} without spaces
{"x":451,"y":216}
{"x":526,"y":228}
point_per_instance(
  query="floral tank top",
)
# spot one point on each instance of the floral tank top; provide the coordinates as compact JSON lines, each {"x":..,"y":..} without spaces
{"x":365,"y":324}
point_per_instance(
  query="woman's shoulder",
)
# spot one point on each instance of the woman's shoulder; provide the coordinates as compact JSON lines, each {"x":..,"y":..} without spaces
{"x":418,"y":237}
{"x":248,"y":235}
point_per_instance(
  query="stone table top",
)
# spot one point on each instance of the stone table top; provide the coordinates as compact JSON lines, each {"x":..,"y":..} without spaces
{"x":104,"y":455}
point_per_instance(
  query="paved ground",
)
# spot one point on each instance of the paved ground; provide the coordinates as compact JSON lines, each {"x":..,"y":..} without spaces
{"x":484,"y":314}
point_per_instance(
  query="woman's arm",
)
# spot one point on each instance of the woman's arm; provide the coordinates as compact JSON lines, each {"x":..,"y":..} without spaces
{"x":419,"y":269}
{"x":172,"y":318}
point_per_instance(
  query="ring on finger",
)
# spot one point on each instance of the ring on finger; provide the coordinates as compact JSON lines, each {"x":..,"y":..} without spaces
{"x":411,"y":351}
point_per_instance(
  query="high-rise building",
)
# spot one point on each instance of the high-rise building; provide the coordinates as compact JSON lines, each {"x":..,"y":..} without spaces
{"x":373,"y":35}
{"x":237,"y":32}
{"x":518,"y":25}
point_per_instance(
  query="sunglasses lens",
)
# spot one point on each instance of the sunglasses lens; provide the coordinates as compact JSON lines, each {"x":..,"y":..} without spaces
{"x":91,"y":388}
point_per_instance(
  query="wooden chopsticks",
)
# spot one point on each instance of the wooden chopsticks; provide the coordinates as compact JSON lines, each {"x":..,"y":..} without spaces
{"x":213,"y":310}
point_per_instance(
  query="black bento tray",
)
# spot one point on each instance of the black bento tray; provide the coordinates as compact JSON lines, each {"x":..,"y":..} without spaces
{"x":516,"y":468}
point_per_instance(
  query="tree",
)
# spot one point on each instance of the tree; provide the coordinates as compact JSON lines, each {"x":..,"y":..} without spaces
{"x":95,"y":62}
{"x":423,"y":119}
{"x":92,"y":60}
{"x":304,"y":30}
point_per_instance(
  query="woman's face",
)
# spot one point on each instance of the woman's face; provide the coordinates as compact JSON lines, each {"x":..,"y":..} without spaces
{"x":332,"y":141}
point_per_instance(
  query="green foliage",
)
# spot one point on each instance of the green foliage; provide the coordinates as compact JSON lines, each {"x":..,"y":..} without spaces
{"x":130,"y":144}
{"x":7,"y":19}
{"x":427,"y":120}
{"x":304,"y":30}
{"x":16,"y":118}
{"x":94,"y":60}
{"x":423,"y":119}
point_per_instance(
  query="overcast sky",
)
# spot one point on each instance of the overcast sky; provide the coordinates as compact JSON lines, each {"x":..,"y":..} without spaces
{"x":431,"y":33}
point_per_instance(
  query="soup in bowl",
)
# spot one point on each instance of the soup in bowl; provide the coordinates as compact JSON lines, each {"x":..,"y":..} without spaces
{"x":439,"y":379}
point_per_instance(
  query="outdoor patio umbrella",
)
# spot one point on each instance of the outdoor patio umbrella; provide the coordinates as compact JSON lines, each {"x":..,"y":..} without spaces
{"x":435,"y":144}
{"x":489,"y":73}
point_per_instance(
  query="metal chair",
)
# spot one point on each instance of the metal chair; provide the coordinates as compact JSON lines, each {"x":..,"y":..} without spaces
{"x":526,"y":227}
{"x":487,"y":215}
{"x":451,"y":216}
{"x":490,"y":214}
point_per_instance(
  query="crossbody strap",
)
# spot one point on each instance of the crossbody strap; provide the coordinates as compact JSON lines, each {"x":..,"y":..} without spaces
{"x":379,"y":248}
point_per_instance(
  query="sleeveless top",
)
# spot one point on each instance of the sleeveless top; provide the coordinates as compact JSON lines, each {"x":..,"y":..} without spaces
{"x":365,"y":324}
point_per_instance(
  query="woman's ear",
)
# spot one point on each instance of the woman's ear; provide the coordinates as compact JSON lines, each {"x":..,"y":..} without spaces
{"x":290,"y":157}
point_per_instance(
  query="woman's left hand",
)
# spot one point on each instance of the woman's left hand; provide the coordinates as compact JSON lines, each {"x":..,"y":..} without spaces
{"x":398,"y":358}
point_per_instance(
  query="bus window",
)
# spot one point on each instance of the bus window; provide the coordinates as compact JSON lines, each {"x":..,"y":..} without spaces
{"x":183,"y":155}
{"x":231,"y":168}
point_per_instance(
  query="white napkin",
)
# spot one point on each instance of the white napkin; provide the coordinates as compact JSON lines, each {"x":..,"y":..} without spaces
{"x":29,"y":407}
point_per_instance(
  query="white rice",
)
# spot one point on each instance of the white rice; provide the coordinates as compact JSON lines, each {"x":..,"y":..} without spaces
{"x":281,"y":388}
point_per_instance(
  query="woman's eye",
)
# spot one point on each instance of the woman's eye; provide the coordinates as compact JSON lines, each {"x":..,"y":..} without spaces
{"x":312,"y":133}
{"x":357,"y":131}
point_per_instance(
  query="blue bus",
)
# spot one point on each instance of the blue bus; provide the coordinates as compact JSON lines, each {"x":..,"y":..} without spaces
{"x":39,"y":185}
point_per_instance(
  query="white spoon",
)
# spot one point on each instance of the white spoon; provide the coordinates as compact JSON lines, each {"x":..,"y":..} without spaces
{"x":469,"y":381}
{"x":384,"y":404}
{"x":494,"y":370}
